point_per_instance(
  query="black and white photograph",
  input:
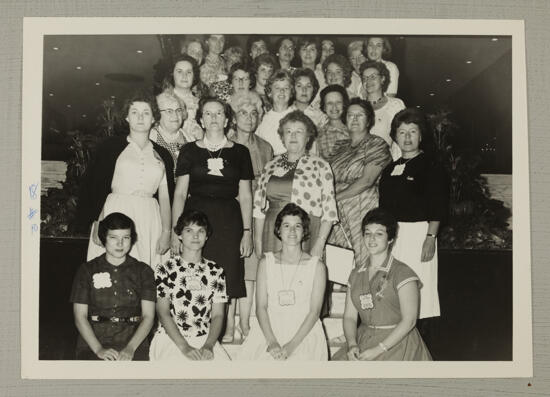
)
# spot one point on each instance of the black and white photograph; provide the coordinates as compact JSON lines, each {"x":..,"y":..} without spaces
{"x":274,"y":197}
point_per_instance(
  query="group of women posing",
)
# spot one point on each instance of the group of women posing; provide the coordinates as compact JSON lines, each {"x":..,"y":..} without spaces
{"x":220,"y":192}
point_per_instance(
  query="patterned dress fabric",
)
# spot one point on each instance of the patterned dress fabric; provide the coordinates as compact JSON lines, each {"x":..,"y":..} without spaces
{"x":192,"y":289}
{"x":348,"y":166}
{"x":286,"y":319}
{"x":330,"y":140}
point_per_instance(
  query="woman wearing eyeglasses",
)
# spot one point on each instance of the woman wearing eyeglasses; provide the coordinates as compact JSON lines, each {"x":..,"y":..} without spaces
{"x":376,"y":80}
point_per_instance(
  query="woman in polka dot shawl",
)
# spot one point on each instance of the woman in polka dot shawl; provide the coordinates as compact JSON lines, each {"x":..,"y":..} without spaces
{"x":298,"y":177}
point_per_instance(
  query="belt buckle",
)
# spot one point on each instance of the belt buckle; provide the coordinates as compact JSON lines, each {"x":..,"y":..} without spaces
{"x":114,"y":319}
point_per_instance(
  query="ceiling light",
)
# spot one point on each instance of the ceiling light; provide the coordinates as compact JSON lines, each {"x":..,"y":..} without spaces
{"x":113,"y":97}
{"x":50,"y":94}
{"x":494,"y":39}
{"x":468,"y":61}
{"x":68,"y":106}
{"x":79,"y":68}
{"x":55,"y":48}
{"x":448,"y":80}
{"x":97,"y":83}
{"x":84,"y":116}
{"x":418,"y":106}
{"x":432,"y":94}
{"x":139,"y":51}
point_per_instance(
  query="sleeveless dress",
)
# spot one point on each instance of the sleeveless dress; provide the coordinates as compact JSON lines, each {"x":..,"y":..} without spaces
{"x":278,"y":192}
{"x":286,"y":320}
{"x":137,"y":177}
{"x":383,"y":313}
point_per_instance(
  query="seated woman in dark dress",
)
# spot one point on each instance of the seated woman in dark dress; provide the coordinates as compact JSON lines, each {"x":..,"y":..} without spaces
{"x":214,"y":176}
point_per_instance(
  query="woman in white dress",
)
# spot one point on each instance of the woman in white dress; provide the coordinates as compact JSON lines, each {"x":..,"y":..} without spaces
{"x":137,"y":170}
{"x":376,"y":80}
{"x":289,"y":296}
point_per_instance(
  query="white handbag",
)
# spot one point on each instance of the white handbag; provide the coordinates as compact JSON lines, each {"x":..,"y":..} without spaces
{"x":340,"y":261}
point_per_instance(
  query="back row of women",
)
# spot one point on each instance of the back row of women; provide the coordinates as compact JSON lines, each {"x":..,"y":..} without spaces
{"x":263,"y":137}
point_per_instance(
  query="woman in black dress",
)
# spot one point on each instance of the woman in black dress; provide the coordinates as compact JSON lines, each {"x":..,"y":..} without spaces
{"x":214,"y":176}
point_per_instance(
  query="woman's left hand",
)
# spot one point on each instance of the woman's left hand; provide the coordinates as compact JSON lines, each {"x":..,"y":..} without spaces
{"x":207,"y":353}
{"x":126,"y":354}
{"x":163,"y":242}
{"x":369,"y":354}
{"x":246,"y":244}
{"x":428,"y":249}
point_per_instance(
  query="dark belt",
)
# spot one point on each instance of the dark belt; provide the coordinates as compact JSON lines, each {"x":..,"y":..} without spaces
{"x":104,"y":319}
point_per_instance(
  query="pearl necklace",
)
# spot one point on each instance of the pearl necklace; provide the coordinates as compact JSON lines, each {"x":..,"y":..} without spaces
{"x":214,"y":147}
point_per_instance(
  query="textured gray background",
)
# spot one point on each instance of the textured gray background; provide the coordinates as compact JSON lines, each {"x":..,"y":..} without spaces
{"x":536,"y":15}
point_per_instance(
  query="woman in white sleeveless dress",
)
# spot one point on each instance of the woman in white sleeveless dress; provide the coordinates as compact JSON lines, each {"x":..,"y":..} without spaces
{"x":290,"y":288}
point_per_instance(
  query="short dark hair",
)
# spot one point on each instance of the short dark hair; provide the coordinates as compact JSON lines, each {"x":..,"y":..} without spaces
{"x":339,"y":89}
{"x":264,"y":59}
{"x":280,"y":74}
{"x":386,"y":52}
{"x":382,"y":70}
{"x":292,"y":209}
{"x":304,"y":41}
{"x":141,"y":96}
{"x":116,"y":221}
{"x":187,"y":58}
{"x":254,"y":38}
{"x":304,"y":72}
{"x":381,"y":217}
{"x":412,"y":116}
{"x":299,"y":116}
{"x":241,"y":66}
{"x":280,"y":40}
{"x":341,"y":61}
{"x":193,"y":217}
{"x":226,"y":110}
{"x":367,"y":107}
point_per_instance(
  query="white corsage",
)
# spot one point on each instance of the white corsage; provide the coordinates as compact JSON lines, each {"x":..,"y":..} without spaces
{"x":102,"y":280}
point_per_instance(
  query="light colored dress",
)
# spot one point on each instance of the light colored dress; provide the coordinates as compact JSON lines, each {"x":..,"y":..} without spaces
{"x":137,"y":177}
{"x":286,"y":319}
{"x":191,"y":129}
{"x":382,"y":123}
{"x":192,"y":288}
{"x":267,"y":129}
{"x":380,"y":311}
{"x":394,"y":77}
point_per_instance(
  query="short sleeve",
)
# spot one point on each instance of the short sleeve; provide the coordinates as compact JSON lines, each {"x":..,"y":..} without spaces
{"x":328,"y":197}
{"x":394,"y":77}
{"x":246,"y":170}
{"x":185,"y":160}
{"x":80,"y":292}
{"x":220,"y":292}
{"x":148,"y":286}
{"x":162,"y":280}
{"x":403,"y":274}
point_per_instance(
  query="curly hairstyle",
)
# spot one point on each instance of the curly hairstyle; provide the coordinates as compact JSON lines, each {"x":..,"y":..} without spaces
{"x":381,"y":217}
{"x":310,"y":74}
{"x":226,"y":110}
{"x":169,"y":80}
{"x":304,"y":41}
{"x":342,"y":91}
{"x":292,"y":209}
{"x":254,"y":38}
{"x":193,"y":217}
{"x":382,"y":70}
{"x":367,"y":107}
{"x":279,"y":75}
{"x":299,"y":116}
{"x":116,"y":221}
{"x":413,"y":116}
{"x":341,"y":61}
{"x":241,"y":66}
{"x":141,"y":96}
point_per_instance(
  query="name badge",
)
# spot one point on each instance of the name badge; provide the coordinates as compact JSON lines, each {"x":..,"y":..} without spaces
{"x":286,"y":297}
{"x":194,"y":283}
{"x":366,"y":301}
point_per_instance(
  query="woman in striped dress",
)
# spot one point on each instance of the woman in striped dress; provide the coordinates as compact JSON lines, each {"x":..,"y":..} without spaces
{"x":357,"y":167}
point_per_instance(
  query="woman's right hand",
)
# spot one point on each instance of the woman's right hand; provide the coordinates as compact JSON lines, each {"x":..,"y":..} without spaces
{"x":276,"y":351}
{"x":175,"y":244}
{"x":95,"y":234}
{"x":353,"y":353}
{"x":107,"y":354}
{"x":191,"y":353}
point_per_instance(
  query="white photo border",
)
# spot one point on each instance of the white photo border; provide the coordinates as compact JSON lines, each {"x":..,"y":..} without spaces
{"x":33,"y":35}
